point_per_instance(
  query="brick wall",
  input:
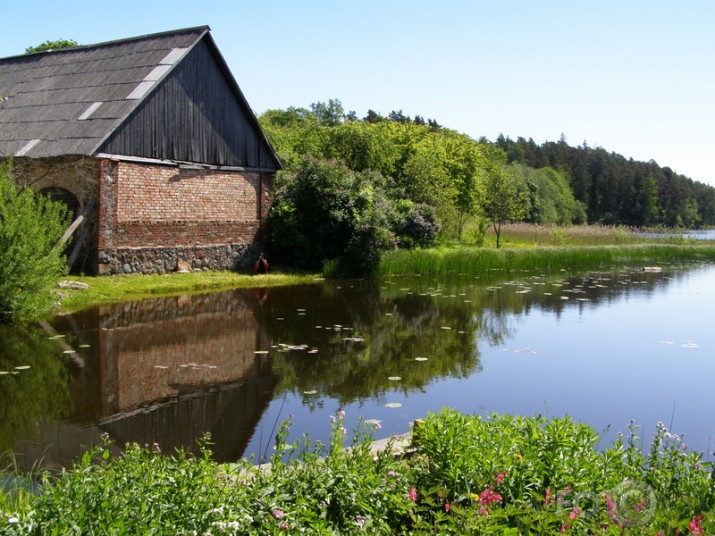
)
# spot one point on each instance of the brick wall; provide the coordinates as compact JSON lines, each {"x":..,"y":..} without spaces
{"x":155,"y":218}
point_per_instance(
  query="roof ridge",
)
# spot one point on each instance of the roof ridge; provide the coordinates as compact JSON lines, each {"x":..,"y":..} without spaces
{"x":199,"y":30}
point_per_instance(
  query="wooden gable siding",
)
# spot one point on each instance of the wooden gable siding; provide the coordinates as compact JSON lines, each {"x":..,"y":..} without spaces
{"x":195,"y":115}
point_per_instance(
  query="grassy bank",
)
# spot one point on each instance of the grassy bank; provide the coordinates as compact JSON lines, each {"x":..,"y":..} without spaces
{"x":444,"y":260}
{"x":470,"y":260}
{"x":468,"y":475}
{"x":112,"y":289}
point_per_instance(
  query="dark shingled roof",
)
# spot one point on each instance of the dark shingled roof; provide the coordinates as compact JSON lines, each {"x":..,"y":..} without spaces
{"x":69,"y":101}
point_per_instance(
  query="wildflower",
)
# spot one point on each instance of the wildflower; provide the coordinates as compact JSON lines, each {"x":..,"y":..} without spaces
{"x":360,"y":521}
{"x":610,"y":505}
{"x":343,"y":430}
{"x":283,"y":526}
{"x":500,"y":477}
{"x":12,"y":520}
{"x":413,"y":494}
{"x":547,"y":496}
{"x":278,"y":514}
{"x":694,"y":526}
{"x":447,"y":507}
{"x":574,"y":513}
{"x":489,"y":496}
{"x":391,"y":473}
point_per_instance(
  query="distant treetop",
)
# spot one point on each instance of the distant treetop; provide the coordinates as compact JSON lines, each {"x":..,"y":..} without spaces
{"x":51,"y":45}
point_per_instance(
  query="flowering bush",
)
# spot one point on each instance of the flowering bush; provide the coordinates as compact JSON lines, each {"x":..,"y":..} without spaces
{"x":469,"y":475}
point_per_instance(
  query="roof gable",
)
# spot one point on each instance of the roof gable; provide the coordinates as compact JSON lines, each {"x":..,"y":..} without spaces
{"x":78,"y":100}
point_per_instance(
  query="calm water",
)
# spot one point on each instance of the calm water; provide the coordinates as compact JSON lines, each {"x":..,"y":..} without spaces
{"x":602,"y":347}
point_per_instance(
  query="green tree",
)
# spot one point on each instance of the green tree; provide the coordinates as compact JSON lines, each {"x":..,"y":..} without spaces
{"x":30,"y":227}
{"x":502,"y":199}
{"x":325,"y":212}
{"x":330,"y":113}
{"x":52,"y":45}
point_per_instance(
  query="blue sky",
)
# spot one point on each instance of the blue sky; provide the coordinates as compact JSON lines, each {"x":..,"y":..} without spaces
{"x":636,"y":77}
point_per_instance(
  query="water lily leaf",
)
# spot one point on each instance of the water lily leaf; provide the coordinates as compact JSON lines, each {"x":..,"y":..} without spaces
{"x":69,"y":352}
{"x":394,"y":378}
{"x":22,"y":367}
{"x":3,"y":372}
{"x":420,"y":359}
{"x":162,"y":366}
{"x":311,"y":392}
{"x":55,"y":337}
{"x":261,"y":352}
{"x":393,"y":405}
{"x":445,"y":327}
{"x":84,"y":346}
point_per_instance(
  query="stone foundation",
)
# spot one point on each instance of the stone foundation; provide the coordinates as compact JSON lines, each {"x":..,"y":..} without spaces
{"x":160,"y":260}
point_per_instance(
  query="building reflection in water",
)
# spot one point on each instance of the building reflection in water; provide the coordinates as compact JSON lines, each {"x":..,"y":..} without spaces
{"x":166,"y":371}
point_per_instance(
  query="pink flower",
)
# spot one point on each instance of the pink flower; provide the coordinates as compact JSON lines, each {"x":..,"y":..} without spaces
{"x":489,"y":496}
{"x":447,"y":507}
{"x":278,"y":514}
{"x":413,"y":494}
{"x":283,"y":526}
{"x":547,"y":496}
{"x":500,"y":477}
{"x":574,"y":513}
{"x":695,"y":527}
{"x":611,"y":505}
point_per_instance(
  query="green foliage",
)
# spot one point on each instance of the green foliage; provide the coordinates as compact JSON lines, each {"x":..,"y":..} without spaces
{"x":617,"y":190}
{"x":468,"y":475}
{"x":326,"y":212}
{"x":30,"y":226}
{"x":52,"y":45}
{"x":469,"y":260}
{"x":414,"y":224}
{"x":503,"y":199}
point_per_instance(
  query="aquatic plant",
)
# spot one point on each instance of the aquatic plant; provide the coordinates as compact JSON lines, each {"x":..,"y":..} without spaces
{"x":467,"y":260}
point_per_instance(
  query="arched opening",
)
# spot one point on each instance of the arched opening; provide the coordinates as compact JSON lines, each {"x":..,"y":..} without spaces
{"x":77,"y":249}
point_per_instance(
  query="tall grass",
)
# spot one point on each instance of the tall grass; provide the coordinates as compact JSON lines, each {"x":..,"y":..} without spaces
{"x":471,"y":260}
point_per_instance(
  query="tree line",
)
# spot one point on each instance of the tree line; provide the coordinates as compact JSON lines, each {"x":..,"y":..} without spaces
{"x":353,"y":187}
{"x":617,"y":190}
{"x":409,"y":180}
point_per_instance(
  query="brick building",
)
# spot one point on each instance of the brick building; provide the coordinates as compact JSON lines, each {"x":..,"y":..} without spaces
{"x":151,"y":141}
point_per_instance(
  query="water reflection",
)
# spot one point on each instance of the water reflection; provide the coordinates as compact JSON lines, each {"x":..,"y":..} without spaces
{"x":234,"y":363}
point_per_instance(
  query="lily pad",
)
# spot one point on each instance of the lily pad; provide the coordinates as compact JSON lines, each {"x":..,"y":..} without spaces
{"x":55,"y":337}
{"x":261,"y":352}
{"x":393,"y":405}
{"x":22,"y":367}
{"x":4,"y":372}
{"x":84,"y":346}
{"x":69,"y":352}
{"x":394,"y":378}
{"x":420,"y":359}
{"x":310,"y":392}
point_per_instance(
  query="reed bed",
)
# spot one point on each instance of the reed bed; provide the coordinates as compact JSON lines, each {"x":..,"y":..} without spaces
{"x":472,"y":260}
{"x":556,"y":235}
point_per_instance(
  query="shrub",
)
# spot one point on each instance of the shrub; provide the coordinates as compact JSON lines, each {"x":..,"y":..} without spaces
{"x":30,"y":226}
{"x":414,"y":224}
{"x":326,"y":212}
